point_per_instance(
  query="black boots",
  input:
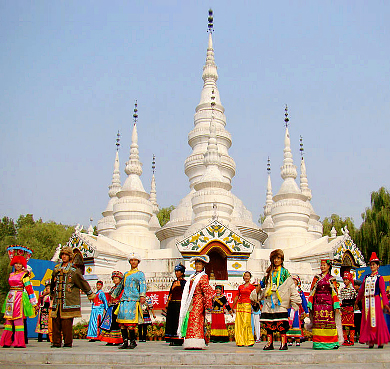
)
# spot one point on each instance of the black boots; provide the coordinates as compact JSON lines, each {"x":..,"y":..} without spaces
{"x":125,"y":337}
{"x":132,"y":344}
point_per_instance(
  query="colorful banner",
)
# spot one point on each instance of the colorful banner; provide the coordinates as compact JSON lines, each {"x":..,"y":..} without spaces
{"x":384,"y":271}
{"x":41,"y":271}
{"x":160,"y":298}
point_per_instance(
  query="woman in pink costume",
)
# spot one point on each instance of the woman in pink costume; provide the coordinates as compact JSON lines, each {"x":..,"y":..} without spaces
{"x":373,"y":329}
{"x":16,"y":307}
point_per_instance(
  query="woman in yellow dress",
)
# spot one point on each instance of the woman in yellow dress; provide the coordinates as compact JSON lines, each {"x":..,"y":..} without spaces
{"x":243,"y":324}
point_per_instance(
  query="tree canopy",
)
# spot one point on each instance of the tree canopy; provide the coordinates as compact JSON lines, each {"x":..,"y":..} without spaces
{"x":164,"y":215}
{"x":337,"y":222}
{"x":374,"y":233}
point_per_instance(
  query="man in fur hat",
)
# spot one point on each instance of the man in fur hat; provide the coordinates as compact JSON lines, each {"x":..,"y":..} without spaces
{"x":66,"y":283}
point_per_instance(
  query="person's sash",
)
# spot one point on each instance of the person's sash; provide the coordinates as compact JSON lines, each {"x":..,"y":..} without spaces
{"x":186,"y":302}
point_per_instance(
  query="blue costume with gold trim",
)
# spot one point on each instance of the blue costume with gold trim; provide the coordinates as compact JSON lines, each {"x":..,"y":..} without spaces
{"x":133,"y":286}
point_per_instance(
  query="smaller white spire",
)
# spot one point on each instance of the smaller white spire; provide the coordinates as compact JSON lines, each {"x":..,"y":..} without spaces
{"x":134,"y":166}
{"x":268,"y":223}
{"x":268,"y":200}
{"x":288,"y":170}
{"x":115,"y":185}
{"x":153,"y":192}
{"x":304,"y":182}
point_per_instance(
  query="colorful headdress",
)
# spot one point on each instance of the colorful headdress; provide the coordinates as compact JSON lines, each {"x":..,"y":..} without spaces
{"x":180,"y":268}
{"x":19,"y":254}
{"x":349,"y":276}
{"x":117,"y":273}
{"x":204,"y":258}
{"x":220,"y":287}
{"x":327,"y":261}
{"x":374,"y":257}
{"x":296,"y":278}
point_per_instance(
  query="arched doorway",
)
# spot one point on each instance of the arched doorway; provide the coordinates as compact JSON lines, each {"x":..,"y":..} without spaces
{"x":348,"y":263}
{"x":216,"y":269}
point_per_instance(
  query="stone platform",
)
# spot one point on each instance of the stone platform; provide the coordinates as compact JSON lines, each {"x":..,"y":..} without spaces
{"x":158,"y":355}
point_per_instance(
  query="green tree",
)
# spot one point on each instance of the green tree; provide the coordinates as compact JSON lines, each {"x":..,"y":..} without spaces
{"x":25,"y":220}
{"x":374,"y":233}
{"x":7,"y":228}
{"x":337,"y":222}
{"x":164,"y":215}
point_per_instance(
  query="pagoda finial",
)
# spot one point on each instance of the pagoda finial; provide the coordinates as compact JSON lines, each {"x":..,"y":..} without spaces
{"x":286,"y":120}
{"x":154,"y":164}
{"x":133,"y":165}
{"x":268,"y":224}
{"x":135,"y":115}
{"x":118,"y":141}
{"x":288,"y":170}
{"x":115,"y":186}
{"x":153,"y":192}
{"x":301,"y":149}
{"x":210,"y":26}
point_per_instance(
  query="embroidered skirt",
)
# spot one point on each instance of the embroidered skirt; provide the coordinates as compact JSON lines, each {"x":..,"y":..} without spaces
{"x":243,"y":325}
{"x":219,"y":331}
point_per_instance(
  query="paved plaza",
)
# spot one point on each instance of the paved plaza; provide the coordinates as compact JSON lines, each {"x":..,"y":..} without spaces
{"x":158,"y":355}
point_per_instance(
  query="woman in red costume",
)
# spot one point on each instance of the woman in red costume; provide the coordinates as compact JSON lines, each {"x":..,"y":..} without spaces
{"x":324,"y":306}
{"x":373,"y":329}
{"x":197,"y":297}
{"x":16,"y":305}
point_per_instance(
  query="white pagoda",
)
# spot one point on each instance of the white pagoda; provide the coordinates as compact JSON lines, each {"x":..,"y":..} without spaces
{"x":210,"y":219}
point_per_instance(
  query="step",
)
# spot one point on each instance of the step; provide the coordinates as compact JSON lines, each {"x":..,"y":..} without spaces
{"x":158,"y":355}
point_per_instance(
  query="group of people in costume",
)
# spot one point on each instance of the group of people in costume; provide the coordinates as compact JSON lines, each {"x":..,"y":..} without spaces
{"x":277,"y":302}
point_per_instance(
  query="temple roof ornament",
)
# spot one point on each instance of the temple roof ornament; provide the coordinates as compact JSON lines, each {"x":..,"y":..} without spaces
{"x":215,"y":231}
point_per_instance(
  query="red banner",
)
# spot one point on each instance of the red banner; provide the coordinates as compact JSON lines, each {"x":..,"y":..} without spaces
{"x":160,"y":298}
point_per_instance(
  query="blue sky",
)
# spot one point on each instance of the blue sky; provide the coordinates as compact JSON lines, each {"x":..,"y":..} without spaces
{"x":72,"y":70}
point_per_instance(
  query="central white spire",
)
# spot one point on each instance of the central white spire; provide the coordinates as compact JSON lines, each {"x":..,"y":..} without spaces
{"x":199,"y":136}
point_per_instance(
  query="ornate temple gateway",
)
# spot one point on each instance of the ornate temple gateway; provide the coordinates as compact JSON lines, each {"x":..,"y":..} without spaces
{"x":210,"y":219}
